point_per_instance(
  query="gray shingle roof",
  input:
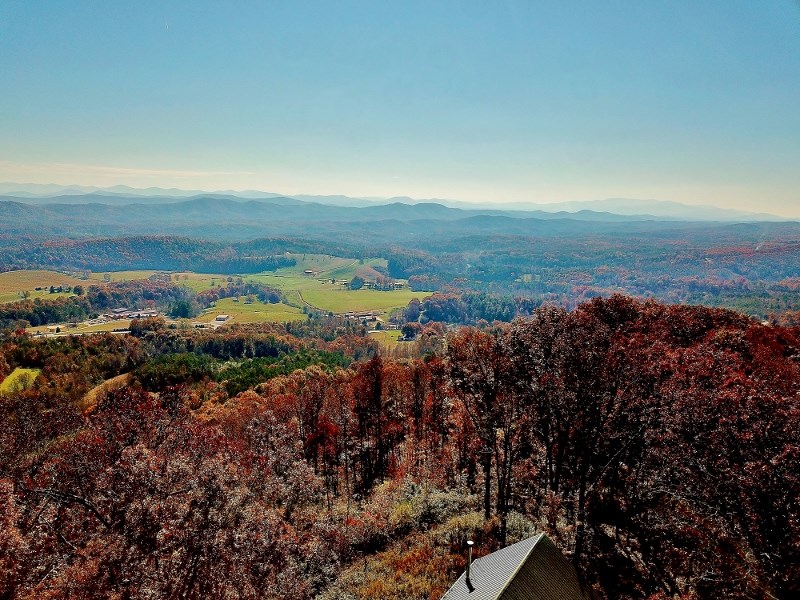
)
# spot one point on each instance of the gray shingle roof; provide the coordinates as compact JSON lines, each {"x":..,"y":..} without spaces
{"x":533,"y":569}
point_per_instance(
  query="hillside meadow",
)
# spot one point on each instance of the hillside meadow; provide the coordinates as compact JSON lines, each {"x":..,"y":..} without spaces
{"x":241,"y":311}
{"x":12,"y":283}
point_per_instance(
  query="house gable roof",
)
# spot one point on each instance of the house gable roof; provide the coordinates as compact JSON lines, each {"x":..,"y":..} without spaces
{"x":533,"y":569}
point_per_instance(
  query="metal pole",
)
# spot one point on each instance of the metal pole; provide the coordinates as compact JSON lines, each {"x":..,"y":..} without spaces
{"x":470,"y":543}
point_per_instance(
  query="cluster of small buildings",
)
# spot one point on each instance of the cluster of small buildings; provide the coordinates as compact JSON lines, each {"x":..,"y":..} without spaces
{"x":117,"y":314}
{"x":362,"y":316}
{"x":161,"y":276}
{"x":392,"y":285}
{"x":127,"y":313}
{"x":218,"y":321}
{"x":368,"y":285}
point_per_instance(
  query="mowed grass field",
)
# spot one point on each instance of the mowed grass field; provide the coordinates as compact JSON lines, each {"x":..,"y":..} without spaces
{"x":344,"y":300}
{"x":16,"y":297}
{"x":199,"y":282}
{"x":387,"y":337}
{"x":118,"y":325}
{"x":18,"y":379}
{"x":257,"y":312}
{"x":318,"y":292}
{"x":325,"y":265}
{"x":333,"y":297}
{"x":14,"y":282}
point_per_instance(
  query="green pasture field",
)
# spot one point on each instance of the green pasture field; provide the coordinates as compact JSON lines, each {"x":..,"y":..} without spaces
{"x":297,"y":283}
{"x":16,"y":297}
{"x":318,"y":292}
{"x":344,"y":300}
{"x":19,"y":379}
{"x":199,"y":282}
{"x":82,"y":327}
{"x":325,"y":265}
{"x":110,"y":326}
{"x":14,"y":282}
{"x":386,"y":337}
{"x":321,"y":263}
{"x":257,"y":312}
{"x":293,"y":298}
{"x":334,"y":297}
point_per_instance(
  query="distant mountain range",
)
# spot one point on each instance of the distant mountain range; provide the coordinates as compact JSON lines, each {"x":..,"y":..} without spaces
{"x":225,"y":217}
{"x":609,"y":209}
{"x":222,"y":217}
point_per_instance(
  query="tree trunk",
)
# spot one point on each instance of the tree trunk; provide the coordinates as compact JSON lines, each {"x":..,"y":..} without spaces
{"x":580,"y":529}
{"x":487,"y":485}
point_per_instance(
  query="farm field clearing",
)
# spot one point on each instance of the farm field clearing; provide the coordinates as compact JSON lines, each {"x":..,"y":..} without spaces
{"x":257,"y":312}
{"x":199,"y":282}
{"x":334,"y":297}
{"x":285,"y":283}
{"x":316,"y":290}
{"x":14,"y":282}
{"x":388,"y":338}
{"x":328,"y":266}
{"x":33,"y":294}
{"x":120,"y":324}
{"x":344,"y":300}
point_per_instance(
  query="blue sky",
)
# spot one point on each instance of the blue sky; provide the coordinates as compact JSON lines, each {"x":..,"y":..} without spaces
{"x":697,"y":102}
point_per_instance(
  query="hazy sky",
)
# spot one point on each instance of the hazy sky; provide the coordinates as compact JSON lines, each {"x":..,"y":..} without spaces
{"x":697,"y":102}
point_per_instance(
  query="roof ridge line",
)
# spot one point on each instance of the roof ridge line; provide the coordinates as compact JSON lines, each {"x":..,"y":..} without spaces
{"x":522,"y":562}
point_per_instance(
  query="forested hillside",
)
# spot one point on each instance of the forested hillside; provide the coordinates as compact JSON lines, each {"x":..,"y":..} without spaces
{"x":657,"y":445}
{"x":143,"y":252}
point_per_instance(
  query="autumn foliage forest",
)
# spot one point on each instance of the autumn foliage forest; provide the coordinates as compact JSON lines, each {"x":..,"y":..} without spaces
{"x":658,"y":445}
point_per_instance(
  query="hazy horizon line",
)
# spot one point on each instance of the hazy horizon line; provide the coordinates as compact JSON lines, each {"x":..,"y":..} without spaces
{"x":562,"y":205}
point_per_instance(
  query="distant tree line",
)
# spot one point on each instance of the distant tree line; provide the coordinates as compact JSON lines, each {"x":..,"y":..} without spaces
{"x":468,"y":308}
{"x":142,"y":252}
{"x":43,"y":311}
